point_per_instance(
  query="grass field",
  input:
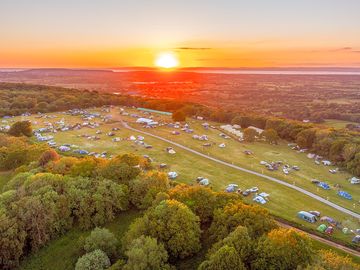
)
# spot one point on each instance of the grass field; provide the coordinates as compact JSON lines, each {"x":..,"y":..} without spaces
{"x":233,"y":153}
{"x":337,"y":123}
{"x":284,"y":201}
{"x":63,"y":252}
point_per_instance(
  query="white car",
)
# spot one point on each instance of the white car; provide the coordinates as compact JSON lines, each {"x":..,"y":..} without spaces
{"x":259,"y":199}
{"x":254,"y":189}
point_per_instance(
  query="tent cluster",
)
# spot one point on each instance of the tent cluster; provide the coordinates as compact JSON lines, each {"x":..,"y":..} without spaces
{"x":276,"y":165}
{"x":233,"y":129}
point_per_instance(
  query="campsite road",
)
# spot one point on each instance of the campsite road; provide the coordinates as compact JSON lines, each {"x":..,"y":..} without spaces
{"x":308,"y":193}
{"x":325,"y":241}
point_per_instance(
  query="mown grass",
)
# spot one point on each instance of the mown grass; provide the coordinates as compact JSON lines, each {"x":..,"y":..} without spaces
{"x":63,"y":252}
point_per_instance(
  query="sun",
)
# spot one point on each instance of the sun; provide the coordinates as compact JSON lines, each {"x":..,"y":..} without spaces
{"x":166,"y":60}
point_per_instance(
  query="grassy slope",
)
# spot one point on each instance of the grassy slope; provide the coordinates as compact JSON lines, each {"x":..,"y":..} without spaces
{"x":62,"y":253}
{"x":284,"y":202}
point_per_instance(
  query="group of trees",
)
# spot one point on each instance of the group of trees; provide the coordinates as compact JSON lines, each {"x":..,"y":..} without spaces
{"x":240,"y":236}
{"x":48,"y":196}
{"x":17,"y":151}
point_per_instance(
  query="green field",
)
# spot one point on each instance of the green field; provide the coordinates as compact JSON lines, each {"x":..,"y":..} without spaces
{"x":337,"y":123}
{"x":284,"y":202}
{"x":234,"y":153}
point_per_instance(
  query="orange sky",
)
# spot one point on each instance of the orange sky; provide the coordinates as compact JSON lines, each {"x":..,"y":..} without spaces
{"x":200,"y":57}
{"x":211,"y":33}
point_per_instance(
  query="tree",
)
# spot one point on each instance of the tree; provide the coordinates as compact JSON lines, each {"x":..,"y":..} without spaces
{"x":283,"y":249}
{"x":86,"y":167}
{"x":145,"y":253}
{"x":47,"y":156}
{"x":328,"y":259}
{"x":17,"y":181}
{"x":35,"y":218}
{"x":120,"y":169}
{"x":201,"y":200}
{"x":12,"y":241}
{"x":336,"y":150}
{"x":61,"y":166}
{"x":21,"y":128}
{"x":103,"y":239}
{"x":179,"y":116}
{"x":306,"y":138}
{"x":243,"y":121}
{"x":271,"y":136}
{"x":96,"y":260}
{"x":256,"y":219}
{"x":95,"y":201}
{"x":250,"y":134}
{"x":173,"y":224}
{"x":144,"y":188}
{"x":238,"y":239}
{"x":226,"y":258}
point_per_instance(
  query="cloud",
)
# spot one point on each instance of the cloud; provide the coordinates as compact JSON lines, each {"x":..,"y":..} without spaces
{"x":193,"y":48}
{"x":345,"y":49}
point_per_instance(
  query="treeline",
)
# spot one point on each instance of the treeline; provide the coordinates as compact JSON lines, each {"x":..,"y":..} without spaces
{"x":16,"y":99}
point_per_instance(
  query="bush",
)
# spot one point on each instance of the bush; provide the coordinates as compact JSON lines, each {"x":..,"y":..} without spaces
{"x":103,"y":239}
{"x":144,"y":188}
{"x":145,"y":253}
{"x":179,"y":116}
{"x":21,"y":128}
{"x":47,"y":156}
{"x":96,"y":260}
{"x":173,"y":224}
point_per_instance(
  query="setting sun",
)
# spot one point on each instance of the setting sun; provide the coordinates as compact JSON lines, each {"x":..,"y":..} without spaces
{"x":166,"y":60}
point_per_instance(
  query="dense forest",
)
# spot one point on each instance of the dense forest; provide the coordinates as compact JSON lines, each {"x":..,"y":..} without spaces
{"x":49,"y":194}
{"x":342,"y":146}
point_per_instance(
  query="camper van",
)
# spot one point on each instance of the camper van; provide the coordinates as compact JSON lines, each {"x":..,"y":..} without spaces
{"x":307,"y":216}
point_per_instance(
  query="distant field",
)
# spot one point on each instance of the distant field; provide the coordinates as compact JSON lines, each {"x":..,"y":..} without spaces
{"x":284,"y":201}
{"x":337,"y":123}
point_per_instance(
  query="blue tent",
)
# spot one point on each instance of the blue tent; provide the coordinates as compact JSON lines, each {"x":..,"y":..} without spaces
{"x":345,"y":195}
{"x":324,"y":185}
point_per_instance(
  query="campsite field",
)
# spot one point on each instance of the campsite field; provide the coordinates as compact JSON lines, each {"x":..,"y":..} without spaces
{"x":284,"y":202}
{"x":234,"y":153}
